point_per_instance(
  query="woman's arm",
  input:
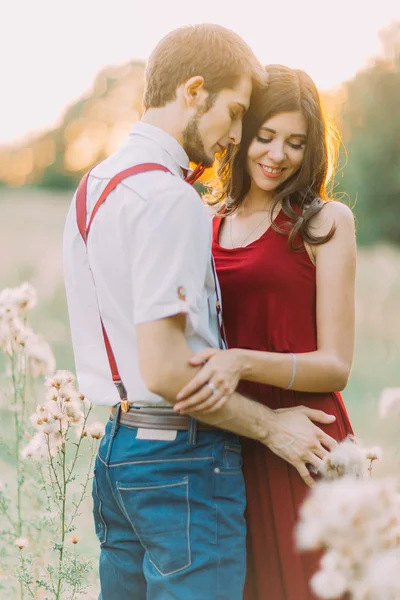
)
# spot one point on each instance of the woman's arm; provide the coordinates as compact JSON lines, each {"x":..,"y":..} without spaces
{"x":328,"y":368}
{"x":324,"y":370}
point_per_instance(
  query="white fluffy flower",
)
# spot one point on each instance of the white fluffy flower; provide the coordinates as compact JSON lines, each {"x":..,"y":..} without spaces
{"x":59,"y":379}
{"x":328,"y":584}
{"x":12,"y":330}
{"x":41,"y":359}
{"x":21,"y":543}
{"x":348,"y":458}
{"x":357,"y":523}
{"x":22,"y":298}
{"x":95,"y":430}
{"x":41,"y":444}
{"x":373,"y":453}
{"x":17,"y":337}
{"x":36,"y":448}
{"x":381,"y":577}
{"x":389,"y":402}
{"x":73,"y":410}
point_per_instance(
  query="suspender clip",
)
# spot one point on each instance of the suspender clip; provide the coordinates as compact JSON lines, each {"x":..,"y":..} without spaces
{"x":125,"y":404}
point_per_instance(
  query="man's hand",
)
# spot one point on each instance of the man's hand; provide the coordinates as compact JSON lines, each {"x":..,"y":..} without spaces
{"x":296,"y":439}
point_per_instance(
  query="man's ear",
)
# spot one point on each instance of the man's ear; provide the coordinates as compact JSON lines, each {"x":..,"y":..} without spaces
{"x":193,"y":91}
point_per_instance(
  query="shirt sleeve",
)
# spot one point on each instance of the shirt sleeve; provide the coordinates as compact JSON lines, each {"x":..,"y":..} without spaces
{"x":170,"y":250}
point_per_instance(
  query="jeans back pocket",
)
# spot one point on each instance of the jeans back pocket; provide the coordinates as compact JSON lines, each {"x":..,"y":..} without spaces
{"x":160,"y":515}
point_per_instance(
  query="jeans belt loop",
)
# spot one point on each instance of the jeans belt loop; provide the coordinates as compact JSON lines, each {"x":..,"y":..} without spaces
{"x":192,"y":431}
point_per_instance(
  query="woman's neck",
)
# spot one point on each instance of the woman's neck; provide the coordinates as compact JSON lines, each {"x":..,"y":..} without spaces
{"x":256,"y":200}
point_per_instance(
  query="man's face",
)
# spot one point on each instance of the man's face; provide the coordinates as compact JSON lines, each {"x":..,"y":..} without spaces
{"x":208,"y":133}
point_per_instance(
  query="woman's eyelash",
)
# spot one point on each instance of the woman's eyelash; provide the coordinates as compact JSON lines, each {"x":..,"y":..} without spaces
{"x":267,"y":141}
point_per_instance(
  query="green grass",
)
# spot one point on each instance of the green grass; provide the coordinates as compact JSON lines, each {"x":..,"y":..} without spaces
{"x":30,"y":243}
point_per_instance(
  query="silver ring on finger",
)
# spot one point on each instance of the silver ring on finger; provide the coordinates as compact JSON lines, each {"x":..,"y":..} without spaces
{"x":212,"y":387}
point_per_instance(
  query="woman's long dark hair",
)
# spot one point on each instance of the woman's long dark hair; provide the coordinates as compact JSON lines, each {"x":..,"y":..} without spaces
{"x":304,"y":194}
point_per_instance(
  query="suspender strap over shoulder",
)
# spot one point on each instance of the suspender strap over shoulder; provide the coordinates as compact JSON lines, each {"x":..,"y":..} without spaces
{"x":81,"y":218}
{"x":81,"y":210}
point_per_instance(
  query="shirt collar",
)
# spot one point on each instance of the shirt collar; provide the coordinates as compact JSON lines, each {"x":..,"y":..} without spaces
{"x":165,"y":140}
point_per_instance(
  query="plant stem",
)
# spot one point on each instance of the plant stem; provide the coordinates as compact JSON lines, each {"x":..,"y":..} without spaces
{"x":84,"y":485}
{"x":17,"y":446}
{"x":63,"y":507}
{"x":78,"y":445}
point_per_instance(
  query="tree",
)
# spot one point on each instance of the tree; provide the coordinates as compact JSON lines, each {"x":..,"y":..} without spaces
{"x":371,"y":131}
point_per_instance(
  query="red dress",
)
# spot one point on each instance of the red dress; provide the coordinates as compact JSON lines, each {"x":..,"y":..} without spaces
{"x":269,"y":303}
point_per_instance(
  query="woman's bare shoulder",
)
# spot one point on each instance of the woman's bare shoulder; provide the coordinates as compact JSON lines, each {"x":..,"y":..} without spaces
{"x":332,"y":214}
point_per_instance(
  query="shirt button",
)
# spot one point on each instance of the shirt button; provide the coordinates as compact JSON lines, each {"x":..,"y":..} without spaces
{"x":217,"y":470}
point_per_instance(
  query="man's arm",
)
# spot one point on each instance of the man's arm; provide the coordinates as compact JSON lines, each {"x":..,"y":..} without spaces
{"x":163,"y":359}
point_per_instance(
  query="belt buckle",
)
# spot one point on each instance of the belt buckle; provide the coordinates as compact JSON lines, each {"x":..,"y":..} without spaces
{"x":125,"y":405}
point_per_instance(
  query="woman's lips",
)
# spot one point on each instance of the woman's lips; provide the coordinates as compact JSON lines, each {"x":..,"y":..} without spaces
{"x":269,"y":174}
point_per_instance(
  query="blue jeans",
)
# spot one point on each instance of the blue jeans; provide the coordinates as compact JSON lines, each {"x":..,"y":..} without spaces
{"x":169,"y":516}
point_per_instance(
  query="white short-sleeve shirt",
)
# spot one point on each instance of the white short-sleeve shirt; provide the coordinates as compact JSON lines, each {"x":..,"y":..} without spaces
{"x":148,"y":257}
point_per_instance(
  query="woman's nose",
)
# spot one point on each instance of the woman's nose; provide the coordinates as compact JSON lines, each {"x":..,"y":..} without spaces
{"x":276,"y":152}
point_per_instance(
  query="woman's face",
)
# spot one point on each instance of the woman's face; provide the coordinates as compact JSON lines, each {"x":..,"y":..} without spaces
{"x":277,"y":151}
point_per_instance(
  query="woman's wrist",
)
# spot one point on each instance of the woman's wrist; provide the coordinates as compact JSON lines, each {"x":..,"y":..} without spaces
{"x":243,"y":362}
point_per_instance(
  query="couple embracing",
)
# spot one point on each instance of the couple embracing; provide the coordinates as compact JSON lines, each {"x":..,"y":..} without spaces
{"x":219,"y":343}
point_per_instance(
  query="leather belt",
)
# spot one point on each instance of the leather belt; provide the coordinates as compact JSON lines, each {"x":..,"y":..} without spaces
{"x":154,"y":418}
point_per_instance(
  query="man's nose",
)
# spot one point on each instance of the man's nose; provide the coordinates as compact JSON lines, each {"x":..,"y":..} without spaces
{"x":235,"y":133}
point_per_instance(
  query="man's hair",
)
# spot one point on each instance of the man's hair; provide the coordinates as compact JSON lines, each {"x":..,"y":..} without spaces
{"x":217,"y":54}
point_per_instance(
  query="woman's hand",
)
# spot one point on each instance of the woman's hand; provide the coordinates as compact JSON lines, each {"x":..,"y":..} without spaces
{"x":213,"y":384}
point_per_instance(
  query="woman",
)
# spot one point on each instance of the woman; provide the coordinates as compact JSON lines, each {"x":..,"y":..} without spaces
{"x":285,"y":258}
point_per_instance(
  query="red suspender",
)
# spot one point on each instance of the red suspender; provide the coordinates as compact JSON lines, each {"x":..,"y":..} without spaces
{"x":81,"y":218}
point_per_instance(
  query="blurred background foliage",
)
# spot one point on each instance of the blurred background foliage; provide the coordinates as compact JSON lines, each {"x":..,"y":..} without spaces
{"x":366,"y":109}
{"x":90,"y":130}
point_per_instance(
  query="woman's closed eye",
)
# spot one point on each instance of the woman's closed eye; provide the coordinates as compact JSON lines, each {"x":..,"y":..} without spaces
{"x":263,"y":140}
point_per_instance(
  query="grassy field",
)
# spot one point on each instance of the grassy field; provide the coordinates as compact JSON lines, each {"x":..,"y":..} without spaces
{"x":31,"y":225}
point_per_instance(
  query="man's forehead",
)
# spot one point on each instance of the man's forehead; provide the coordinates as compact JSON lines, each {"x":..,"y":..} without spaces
{"x":242,"y":92}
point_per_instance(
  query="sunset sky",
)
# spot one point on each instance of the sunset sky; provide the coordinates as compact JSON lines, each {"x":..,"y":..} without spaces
{"x":51,"y":50}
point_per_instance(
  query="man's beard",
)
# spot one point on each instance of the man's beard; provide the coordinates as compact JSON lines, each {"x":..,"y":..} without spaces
{"x":193,"y":144}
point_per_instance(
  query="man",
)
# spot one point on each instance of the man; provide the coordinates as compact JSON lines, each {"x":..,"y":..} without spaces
{"x":168,"y":490}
